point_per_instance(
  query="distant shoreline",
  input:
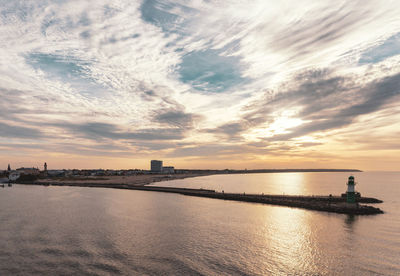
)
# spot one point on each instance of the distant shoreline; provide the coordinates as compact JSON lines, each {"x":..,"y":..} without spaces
{"x":147,"y":179}
{"x":228,"y":171}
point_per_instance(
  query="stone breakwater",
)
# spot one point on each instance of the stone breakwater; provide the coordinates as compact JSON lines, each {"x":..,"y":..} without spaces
{"x":318,"y":203}
{"x":334,"y":204}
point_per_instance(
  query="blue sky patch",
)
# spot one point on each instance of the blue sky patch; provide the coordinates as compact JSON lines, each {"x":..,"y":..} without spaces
{"x":161,"y":15}
{"x":58,"y":65}
{"x":156,"y":13}
{"x":391,"y":47}
{"x":209,"y":71}
{"x":65,"y":69}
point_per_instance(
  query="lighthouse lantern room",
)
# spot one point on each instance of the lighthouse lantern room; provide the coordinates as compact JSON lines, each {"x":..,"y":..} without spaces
{"x":351,"y":194}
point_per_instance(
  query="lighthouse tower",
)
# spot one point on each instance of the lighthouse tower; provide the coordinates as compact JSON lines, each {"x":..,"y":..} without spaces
{"x":351,"y":194}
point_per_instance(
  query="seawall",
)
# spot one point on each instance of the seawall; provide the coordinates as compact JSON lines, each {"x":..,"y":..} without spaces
{"x":335,"y":204}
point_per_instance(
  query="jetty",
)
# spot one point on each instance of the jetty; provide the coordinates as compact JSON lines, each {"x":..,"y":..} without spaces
{"x":334,"y":204}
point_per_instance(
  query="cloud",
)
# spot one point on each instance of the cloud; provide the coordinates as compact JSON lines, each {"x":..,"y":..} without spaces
{"x":332,"y":102}
{"x":206,"y":150}
{"x":176,"y":118}
{"x":230,"y":130}
{"x":11,"y":131}
{"x":321,"y":99}
{"x":194,"y":77}
{"x":98,"y":131}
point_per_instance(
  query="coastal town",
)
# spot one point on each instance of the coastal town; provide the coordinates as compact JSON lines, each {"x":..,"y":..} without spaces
{"x":156,"y":172}
{"x":34,"y":173}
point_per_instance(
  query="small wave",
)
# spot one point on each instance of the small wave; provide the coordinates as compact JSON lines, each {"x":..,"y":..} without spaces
{"x":53,"y":251}
{"x":106,"y":267}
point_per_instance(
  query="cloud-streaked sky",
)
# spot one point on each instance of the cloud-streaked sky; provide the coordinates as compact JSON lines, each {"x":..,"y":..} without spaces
{"x":200,"y":84}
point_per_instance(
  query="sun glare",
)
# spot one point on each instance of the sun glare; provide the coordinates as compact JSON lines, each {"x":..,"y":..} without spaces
{"x":281,"y":125}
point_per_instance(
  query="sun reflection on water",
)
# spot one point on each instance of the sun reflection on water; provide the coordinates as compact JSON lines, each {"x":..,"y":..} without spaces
{"x":288,"y":183}
{"x":289,"y":238}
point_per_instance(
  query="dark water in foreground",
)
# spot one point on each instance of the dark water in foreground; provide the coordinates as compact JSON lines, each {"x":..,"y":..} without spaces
{"x":92,"y":231}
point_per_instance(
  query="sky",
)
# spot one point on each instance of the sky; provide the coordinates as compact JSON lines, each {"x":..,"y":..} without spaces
{"x":200,"y":84}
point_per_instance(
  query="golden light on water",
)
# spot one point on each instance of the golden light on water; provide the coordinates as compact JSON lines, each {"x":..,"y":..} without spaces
{"x":288,"y":183}
{"x":290,"y":238}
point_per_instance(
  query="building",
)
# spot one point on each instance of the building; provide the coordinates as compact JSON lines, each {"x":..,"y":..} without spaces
{"x":27,"y":171}
{"x":168,"y":169}
{"x":156,"y":166}
{"x":14,"y":175}
{"x":56,"y":173}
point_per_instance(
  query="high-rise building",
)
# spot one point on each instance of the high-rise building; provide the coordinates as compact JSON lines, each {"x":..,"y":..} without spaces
{"x":156,"y":165}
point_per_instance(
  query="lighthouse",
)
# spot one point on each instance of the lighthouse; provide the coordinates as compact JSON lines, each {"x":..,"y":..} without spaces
{"x":351,"y":194}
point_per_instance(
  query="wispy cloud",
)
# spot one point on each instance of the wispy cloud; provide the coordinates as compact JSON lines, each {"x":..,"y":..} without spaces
{"x":195,"y":78}
{"x":10,"y":131}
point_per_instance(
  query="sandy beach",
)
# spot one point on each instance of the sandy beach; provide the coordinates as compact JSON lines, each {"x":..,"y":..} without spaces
{"x":134,"y":180}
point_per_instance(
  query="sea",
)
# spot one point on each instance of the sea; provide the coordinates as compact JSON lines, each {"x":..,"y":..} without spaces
{"x":100,"y":231}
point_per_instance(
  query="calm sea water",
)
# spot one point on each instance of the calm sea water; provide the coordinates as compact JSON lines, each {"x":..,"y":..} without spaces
{"x":92,"y":231}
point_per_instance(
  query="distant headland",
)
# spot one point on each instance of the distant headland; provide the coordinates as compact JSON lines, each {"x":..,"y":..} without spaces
{"x":231,"y":171}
